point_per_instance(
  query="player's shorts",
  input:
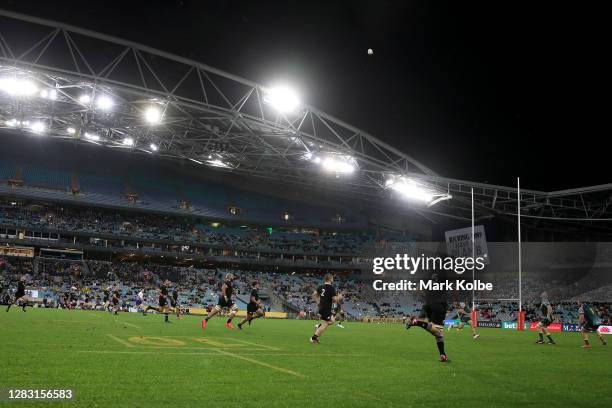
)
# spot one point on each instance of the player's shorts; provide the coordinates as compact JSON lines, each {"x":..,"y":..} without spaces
{"x":326,"y":314}
{"x":546,"y":322}
{"x":252,"y":307}
{"x":590,"y":327}
{"x":434,"y":312}
{"x":115,"y":301}
{"x":465,"y":318}
{"x":19,"y":295}
{"x":162,"y":301}
{"x":173,"y":303}
{"x":222,"y":304}
{"x":138,"y":302}
{"x":105,"y":299}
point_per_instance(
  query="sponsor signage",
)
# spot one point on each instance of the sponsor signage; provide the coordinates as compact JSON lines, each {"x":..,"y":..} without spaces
{"x":570,"y":327}
{"x":605,"y":329}
{"x":459,"y":243}
{"x":492,"y":324}
{"x":17,"y":251}
{"x":509,"y":325}
{"x":553,"y":327}
{"x":451,"y":322}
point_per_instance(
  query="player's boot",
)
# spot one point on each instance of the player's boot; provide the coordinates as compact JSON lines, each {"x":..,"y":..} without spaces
{"x":551,"y":342}
{"x":340,"y":325}
{"x":476,"y":336}
{"x":539,"y":342}
{"x":314,"y":341}
{"x":204,"y":324}
{"x":586,"y":346}
{"x":229,"y":325}
{"x":239,"y":326}
{"x":444,"y":358}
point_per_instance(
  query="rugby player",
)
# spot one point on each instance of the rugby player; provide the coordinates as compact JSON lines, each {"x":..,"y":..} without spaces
{"x":225,"y":302}
{"x":325,"y":296}
{"x":589,"y":321}
{"x":431,"y":317}
{"x":19,"y":295}
{"x":162,"y":302}
{"x":254,"y":308}
{"x":464,"y":316}
{"x":546,"y":319}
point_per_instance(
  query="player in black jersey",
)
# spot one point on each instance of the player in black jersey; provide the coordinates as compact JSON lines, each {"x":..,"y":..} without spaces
{"x":116,"y":299}
{"x":254,"y":308}
{"x":432,"y":316}
{"x":325,"y":296}
{"x":175,"y":304}
{"x":19,"y":295}
{"x":162,"y":302}
{"x":225,"y":302}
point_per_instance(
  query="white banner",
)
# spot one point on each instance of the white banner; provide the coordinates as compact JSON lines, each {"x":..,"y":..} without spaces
{"x":459,"y":242}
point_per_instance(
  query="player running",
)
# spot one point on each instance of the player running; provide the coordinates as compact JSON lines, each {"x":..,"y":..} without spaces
{"x":589,"y":321}
{"x":162,"y":302}
{"x":546,"y":310}
{"x":20,"y":295}
{"x":174,"y":303}
{"x":464,"y":316}
{"x":254,"y":308}
{"x":324,"y":297}
{"x":432,"y":316}
{"x":140,"y":300}
{"x":225,"y":302}
{"x":116,"y":299}
{"x":106,"y":298}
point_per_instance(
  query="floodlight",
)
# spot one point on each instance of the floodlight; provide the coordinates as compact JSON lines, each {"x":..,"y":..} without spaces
{"x":153,"y":147}
{"x":338,"y":165}
{"x":17,"y":86}
{"x":282,"y":98}
{"x":48,"y":94}
{"x":153,"y":115}
{"x":218,"y":163}
{"x":38,"y":127}
{"x":128,"y":141}
{"x":85,"y":99}
{"x":104,"y":102}
{"x":12,"y":123}
{"x":92,"y":136}
{"x":412,"y":190}
{"x":71,"y":130}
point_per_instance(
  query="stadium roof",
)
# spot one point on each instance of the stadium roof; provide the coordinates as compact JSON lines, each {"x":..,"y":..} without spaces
{"x":73,"y":84}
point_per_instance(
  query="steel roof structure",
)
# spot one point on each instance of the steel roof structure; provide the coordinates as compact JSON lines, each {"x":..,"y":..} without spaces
{"x":214,"y":118}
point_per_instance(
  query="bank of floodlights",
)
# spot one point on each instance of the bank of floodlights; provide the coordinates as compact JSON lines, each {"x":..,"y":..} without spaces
{"x":414,"y":190}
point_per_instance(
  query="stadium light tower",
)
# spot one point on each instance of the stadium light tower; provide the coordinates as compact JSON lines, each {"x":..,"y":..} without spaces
{"x":282,"y":98}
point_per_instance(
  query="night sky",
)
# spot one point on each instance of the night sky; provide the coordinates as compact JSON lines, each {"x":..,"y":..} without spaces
{"x":474,"y":90}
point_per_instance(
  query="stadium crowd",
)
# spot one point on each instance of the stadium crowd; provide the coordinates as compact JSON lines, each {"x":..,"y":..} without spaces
{"x":82,"y":283}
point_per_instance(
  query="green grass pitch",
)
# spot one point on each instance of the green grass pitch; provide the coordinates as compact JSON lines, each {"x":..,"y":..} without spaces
{"x":134,"y":361}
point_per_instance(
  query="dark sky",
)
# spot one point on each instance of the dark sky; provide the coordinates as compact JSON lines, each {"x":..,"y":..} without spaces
{"x":474,"y":90}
